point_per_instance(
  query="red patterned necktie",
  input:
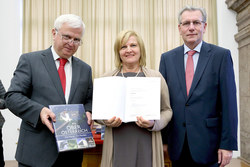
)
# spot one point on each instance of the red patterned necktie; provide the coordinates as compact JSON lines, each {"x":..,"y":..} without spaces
{"x":61,"y":73}
{"x":189,"y":70}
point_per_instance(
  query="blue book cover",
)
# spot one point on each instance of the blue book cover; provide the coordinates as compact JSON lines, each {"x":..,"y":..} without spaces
{"x":102,"y":132}
{"x":72,"y":131}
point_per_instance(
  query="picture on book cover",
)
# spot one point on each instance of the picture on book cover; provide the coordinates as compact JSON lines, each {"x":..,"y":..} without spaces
{"x":102,"y":132}
{"x":71,"y":128}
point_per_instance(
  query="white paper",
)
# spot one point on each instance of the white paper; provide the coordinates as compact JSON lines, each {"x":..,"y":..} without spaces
{"x":126,"y":98}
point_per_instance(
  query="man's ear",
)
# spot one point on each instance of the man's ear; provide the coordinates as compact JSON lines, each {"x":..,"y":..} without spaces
{"x":54,"y":33}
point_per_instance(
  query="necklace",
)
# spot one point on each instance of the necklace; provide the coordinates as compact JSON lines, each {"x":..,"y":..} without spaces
{"x":134,"y":76}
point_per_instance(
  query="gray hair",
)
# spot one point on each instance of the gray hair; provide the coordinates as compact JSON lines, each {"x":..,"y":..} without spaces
{"x":191,"y":8}
{"x":72,"y":20}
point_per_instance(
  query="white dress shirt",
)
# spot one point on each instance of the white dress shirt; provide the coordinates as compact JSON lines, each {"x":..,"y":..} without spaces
{"x":195,"y":56}
{"x":68,"y":72}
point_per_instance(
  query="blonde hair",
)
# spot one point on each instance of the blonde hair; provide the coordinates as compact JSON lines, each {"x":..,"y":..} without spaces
{"x":121,"y":39}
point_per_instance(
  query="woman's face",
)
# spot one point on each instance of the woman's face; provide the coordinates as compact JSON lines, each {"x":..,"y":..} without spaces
{"x":130,"y":52}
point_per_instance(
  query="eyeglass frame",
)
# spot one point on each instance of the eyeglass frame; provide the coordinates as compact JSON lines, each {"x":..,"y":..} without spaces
{"x":68,"y":39}
{"x":196,"y":23}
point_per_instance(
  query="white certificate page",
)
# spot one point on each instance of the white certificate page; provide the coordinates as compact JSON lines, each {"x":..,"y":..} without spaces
{"x":126,"y":98}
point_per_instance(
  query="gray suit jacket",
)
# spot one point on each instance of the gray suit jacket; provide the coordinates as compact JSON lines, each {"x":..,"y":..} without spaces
{"x":36,"y":84}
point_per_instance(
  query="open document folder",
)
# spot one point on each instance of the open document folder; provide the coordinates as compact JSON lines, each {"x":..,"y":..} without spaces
{"x":126,"y":98}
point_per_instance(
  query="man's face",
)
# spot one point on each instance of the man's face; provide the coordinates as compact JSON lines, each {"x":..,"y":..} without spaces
{"x":65,"y":40}
{"x":192,"y":28}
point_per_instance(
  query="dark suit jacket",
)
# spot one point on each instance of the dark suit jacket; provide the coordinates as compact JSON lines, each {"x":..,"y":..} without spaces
{"x":2,"y":103}
{"x":208,"y":116}
{"x":36,"y":84}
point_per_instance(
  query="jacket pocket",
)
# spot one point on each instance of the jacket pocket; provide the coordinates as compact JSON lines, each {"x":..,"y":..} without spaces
{"x":212,"y":122}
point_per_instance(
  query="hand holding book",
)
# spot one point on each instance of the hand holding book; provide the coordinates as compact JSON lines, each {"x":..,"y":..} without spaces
{"x":47,"y":117}
{"x":89,"y":118}
{"x":71,"y":127}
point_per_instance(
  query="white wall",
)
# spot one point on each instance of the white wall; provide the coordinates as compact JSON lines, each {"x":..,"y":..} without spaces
{"x":226,"y":30}
{"x":10,"y":51}
{"x":10,"y":29}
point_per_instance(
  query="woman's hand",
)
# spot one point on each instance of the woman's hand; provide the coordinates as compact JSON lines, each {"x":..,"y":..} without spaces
{"x":144,"y":123}
{"x":113,"y":122}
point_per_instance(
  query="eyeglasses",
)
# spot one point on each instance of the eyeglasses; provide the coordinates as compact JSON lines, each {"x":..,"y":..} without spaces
{"x":69,"y":39}
{"x":196,"y":23}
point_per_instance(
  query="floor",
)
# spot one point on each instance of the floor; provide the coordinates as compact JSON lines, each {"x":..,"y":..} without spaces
{"x":10,"y":164}
{"x":234,"y":163}
{"x":238,"y":163}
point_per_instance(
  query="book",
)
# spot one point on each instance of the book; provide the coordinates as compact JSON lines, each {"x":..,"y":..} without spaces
{"x":100,"y":129}
{"x":126,"y":98}
{"x":72,"y":131}
{"x":102,"y":132}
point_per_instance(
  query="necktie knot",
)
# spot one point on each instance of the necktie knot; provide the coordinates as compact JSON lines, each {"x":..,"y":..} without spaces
{"x":191,"y":53}
{"x":62,"y":61}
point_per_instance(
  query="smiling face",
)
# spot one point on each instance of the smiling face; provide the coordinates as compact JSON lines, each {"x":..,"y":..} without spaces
{"x":193,"y":32}
{"x":63,"y":48}
{"x":130,"y":52}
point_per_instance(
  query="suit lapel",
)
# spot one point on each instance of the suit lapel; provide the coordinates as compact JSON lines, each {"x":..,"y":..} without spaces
{"x":179,"y":64}
{"x":76,"y":68}
{"x":49,"y":64}
{"x":201,"y":65}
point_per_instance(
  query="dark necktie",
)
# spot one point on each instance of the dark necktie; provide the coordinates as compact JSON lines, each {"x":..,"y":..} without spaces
{"x":189,"y":70}
{"x":61,"y":73}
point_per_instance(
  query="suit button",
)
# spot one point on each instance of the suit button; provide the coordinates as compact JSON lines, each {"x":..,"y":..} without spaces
{"x":186,"y":104}
{"x":184,"y":124}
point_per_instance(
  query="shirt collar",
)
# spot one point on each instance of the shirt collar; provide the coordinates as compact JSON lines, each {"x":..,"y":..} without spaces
{"x":197,"y":48}
{"x":56,"y":56}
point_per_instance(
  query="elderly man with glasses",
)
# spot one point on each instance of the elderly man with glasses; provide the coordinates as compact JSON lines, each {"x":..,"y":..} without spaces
{"x":49,"y":77}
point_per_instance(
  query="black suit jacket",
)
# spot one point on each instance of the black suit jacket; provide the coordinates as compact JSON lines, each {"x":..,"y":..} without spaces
{"x":36,"y":84}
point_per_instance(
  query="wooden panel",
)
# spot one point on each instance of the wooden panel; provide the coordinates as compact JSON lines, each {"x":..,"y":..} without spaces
{"x":167,"y":161}
{"x":92,"y":157}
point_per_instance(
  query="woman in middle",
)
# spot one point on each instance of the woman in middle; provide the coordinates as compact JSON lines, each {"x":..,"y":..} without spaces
{"x":134,"y":144}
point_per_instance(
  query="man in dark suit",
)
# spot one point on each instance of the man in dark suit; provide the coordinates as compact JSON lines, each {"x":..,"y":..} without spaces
{"x":36,"y":85}
{"x":203,"y":130}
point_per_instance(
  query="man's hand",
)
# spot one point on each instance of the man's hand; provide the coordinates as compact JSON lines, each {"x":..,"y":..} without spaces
{"x":165,"y":148}
{"x":47,"y":116}
{"x":90,"y":121}
{"x":224,"y":157}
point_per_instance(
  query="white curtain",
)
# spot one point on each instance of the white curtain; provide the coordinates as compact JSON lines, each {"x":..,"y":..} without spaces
{"x":155,"y":20}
